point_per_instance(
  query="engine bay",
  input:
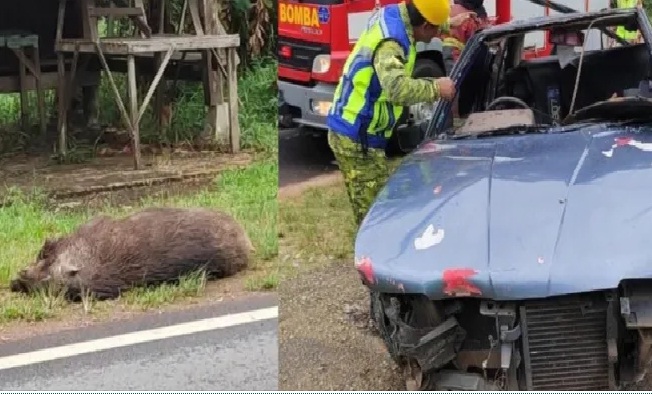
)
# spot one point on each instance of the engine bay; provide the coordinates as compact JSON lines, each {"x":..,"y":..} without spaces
{"x":593,"y":341}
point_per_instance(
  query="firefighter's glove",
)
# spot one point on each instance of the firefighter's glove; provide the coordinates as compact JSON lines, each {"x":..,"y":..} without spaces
{"x":446,"y":88}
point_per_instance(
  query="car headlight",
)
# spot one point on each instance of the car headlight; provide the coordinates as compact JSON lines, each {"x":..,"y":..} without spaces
{"x":321,"y":64}
{"x":321,"y":107}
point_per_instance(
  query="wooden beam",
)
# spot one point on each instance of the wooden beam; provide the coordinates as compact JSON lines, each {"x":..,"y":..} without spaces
{"x":62,"y":118}
{"x":154,"y":85}
{"x":110,"y":22}
{"x":89,"y":22}
{"x":60,"y":18}
{"x":133,"y":100}
{"x":161,"y":17}
{"x":182,"y":18}
{"x":24,"y":103}
{"x":22,"y":59}
{"x":123,"y":111}
{"x":40,"y":94}
{"x":140,"y":21}
{"x":126,"y":46}
{"x":193,"y":6}
{"x":114,"y":12}
{"x":233,"y":101}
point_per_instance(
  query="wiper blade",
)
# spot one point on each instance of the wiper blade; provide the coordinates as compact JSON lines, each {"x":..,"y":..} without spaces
{"x":521,"y":130}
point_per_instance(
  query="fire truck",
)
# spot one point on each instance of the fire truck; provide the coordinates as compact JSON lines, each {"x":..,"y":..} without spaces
{"x":315,"y":38}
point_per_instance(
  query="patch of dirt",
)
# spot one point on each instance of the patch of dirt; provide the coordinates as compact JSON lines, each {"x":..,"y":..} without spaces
{"x":296,"y":189}
{"x":325,"y":341}
{"x":104,"y":174}
{"x":128,"y":196}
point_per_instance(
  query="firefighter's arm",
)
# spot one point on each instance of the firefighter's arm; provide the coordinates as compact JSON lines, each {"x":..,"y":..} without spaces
{"x":401,"y":88}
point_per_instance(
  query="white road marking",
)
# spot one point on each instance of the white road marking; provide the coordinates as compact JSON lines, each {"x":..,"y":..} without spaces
{"x":429,"y":238}
{"x":137,"y":337}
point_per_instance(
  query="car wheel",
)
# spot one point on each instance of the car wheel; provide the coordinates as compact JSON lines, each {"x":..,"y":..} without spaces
{"x":424,"y":68}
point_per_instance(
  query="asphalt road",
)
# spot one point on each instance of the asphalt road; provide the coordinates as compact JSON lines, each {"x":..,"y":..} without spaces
{"x":303,"y":156}
{"x":228,"y":346}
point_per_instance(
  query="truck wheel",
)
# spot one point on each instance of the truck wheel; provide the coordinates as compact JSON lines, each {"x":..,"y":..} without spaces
{"x":424,"y":68}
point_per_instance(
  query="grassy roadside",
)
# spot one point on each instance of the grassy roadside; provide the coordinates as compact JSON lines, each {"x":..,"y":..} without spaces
{"x":316,"y":228}
{"x":249,"y":194}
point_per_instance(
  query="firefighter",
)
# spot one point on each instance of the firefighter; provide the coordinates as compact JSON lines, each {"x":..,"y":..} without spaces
{"x":454,"y":41}
{"x":630,"y":36}
{"x":376,"y":85}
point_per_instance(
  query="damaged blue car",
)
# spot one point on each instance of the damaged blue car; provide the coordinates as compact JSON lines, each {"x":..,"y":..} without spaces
{"x":512,"y":249}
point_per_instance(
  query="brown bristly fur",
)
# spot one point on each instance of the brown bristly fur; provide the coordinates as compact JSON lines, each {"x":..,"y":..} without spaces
{"x":107,"y":256}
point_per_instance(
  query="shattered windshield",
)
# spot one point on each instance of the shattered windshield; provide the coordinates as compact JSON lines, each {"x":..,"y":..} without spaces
{"x":580,"y":73}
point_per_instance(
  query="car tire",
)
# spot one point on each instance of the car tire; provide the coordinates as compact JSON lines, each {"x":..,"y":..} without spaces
{"x":423,"y":68}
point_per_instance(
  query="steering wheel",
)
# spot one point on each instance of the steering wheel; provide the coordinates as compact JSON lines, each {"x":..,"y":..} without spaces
{"x":507,"y":99}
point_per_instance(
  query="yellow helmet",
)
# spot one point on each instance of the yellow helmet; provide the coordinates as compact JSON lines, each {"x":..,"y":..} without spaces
{"x":436,"y":12}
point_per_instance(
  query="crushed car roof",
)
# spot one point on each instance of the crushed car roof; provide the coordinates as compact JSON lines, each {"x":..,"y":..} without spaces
{"x":608,"y":17}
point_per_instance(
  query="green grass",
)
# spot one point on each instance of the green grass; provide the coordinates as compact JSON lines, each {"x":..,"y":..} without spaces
{"x":315,"y":229}
{"x":257,"y":120}
{"x":249,"y":194}
{"x":27,"y":222}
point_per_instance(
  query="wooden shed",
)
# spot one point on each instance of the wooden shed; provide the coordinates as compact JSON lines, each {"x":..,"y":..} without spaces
{"x":49,"y":44}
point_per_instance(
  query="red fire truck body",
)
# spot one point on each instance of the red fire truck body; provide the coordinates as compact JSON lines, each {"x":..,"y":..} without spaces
{"x":315,"y":38}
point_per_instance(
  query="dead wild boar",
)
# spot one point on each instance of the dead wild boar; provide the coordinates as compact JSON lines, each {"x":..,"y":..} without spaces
{"x":107,"y":256}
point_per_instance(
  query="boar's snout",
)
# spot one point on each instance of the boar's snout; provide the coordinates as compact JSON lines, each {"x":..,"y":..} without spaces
{"x":18,"y":286}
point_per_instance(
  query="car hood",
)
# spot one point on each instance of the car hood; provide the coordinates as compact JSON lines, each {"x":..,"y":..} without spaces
{"x":514,"y":217}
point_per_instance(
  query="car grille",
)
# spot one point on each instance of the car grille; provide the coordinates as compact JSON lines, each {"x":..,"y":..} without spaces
{"x":565,"y":343}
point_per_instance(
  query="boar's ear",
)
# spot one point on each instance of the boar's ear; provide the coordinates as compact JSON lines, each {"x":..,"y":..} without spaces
{"x":48,"y":248}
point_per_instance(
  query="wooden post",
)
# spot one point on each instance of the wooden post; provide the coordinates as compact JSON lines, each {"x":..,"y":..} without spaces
{"x":110,"y":23}
{"x":61,"y":95}
{"x":193,"y":6}
{"x":217,"y":119}
{"x":158,"y":60}
{"x":234,"y":131}
{"x":24,"y":103}
{"x":133,"y":110}
{"x":89,"y":22}
{"x":161,"y":18}
{"x":40,"y":95}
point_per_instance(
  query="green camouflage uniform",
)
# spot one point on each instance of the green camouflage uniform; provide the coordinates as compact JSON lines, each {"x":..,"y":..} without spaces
{"x":364,"y":175}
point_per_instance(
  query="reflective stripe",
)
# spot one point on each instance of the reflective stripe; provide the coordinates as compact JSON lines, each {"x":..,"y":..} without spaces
{"x":626,"y":34}
{"x":359,"y":103}
{"x":620,"y":30}
{"x":453,"y":42}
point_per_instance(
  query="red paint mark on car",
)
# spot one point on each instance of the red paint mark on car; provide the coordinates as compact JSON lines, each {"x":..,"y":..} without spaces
{"x":428,"y":147}
{"x":457,"y":282}
{"x":437,"y":190}
{"x":622,"y":141}
{"x":365,"y":269}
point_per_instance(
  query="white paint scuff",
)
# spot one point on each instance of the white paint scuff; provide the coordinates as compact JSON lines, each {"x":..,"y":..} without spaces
{"x":626,"y":141}
{"x":429,"y":238}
